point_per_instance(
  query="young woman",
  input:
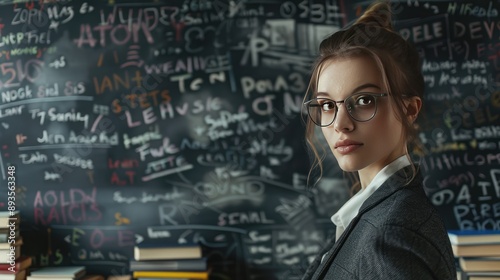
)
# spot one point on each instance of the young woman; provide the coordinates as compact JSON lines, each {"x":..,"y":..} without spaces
{"x":365,"y":94}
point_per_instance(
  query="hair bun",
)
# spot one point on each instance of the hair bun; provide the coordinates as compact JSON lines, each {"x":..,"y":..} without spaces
{"x":378,"y":14}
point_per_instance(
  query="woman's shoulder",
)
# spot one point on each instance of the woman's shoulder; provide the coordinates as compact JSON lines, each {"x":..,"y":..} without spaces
{"x":401,"y":201}
{"x":408,"y":207}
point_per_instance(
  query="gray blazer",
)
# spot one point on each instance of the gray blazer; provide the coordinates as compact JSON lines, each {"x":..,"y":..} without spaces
{"x":397,"y":234}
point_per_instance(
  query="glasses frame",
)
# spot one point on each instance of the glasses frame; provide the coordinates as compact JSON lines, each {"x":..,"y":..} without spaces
{"x":309,"y":105}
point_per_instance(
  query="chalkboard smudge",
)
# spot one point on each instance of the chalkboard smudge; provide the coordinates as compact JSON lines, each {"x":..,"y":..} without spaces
{"x":48,"y":100}
{"x":63,"y":146}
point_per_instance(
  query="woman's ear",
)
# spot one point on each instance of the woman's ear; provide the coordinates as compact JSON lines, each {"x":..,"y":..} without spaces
{"x":413,"y":106}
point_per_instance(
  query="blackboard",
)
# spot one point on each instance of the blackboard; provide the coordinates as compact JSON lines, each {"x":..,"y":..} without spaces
{"x":181,"y":120}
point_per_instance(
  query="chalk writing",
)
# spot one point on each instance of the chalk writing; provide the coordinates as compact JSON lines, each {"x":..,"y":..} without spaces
{"x":182,"y":122}
{"x":60,"y":207}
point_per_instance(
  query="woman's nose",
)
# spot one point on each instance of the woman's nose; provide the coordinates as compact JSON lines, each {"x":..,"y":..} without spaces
{"x":343,"y":122}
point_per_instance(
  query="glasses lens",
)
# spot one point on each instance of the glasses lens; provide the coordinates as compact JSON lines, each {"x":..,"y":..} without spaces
{"x":361,"y":107}
{"x":321,"y":111}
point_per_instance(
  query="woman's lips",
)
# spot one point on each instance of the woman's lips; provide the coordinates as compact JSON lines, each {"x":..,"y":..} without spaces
{"x":347,"y":146}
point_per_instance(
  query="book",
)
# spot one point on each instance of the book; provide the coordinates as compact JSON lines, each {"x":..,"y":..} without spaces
{"x":6,"y":218}
{"x":57,"y":273}
{"x":171,"y":274}
{"x":158,"y":250}
{"x":120,"y":277}
{"x":6,"y":255}
{"x":7,"y":245}
{"x":480,"y":263}
{"x":482,"y":276}
{"x":92,"y":277}
{"x":6,"y":232}
{"x":162,"y":278}
{"x":199,"y":264}
{"x":20,"y":275}
{"x":479,"y":250}
{"x":21,"y":263}
{"x":462,"y":237}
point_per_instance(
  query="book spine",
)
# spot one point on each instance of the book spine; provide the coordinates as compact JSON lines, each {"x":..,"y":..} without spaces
{"x":171,"y":274}
{"x":184,"y":265}
{"x":4,"y":267}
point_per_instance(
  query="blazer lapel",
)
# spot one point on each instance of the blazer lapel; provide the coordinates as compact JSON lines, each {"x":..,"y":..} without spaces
{"x":393,"y":184}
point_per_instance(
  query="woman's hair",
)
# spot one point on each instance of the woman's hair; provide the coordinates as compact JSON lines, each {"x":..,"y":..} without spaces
{"x":372,"y":35}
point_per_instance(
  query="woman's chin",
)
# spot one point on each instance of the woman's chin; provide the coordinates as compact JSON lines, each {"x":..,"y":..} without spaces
{"x":349,"y":167}
{"x":350,"y":163}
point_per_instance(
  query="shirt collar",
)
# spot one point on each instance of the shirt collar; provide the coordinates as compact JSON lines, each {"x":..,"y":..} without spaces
{"x":351,"y":208}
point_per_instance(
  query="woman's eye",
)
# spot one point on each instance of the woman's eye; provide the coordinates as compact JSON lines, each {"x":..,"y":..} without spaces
{"x":327,"y":106}
{"x":364,"y":100}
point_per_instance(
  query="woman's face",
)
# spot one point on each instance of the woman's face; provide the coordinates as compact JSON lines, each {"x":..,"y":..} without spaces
{"x":360,"y":146}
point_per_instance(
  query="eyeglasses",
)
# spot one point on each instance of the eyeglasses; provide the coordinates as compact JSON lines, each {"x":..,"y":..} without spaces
{"x":362,"y":107}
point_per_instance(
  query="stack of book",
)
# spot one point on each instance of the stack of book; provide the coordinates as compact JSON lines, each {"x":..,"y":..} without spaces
{"x":13,"y":266}
{"x":16,"y":271}
{"x":58,"y":273}
{"x":161,"y":260}
{"x":478,"y":253}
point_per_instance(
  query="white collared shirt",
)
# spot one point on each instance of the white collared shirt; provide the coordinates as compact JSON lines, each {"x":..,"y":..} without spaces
{"x":350,"y":209}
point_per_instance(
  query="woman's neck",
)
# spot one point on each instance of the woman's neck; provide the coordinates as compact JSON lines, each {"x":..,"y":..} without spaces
{"x":367,"y":174}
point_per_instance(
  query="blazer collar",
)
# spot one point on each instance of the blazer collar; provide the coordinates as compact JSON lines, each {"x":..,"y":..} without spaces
{"x":396,"y":182}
